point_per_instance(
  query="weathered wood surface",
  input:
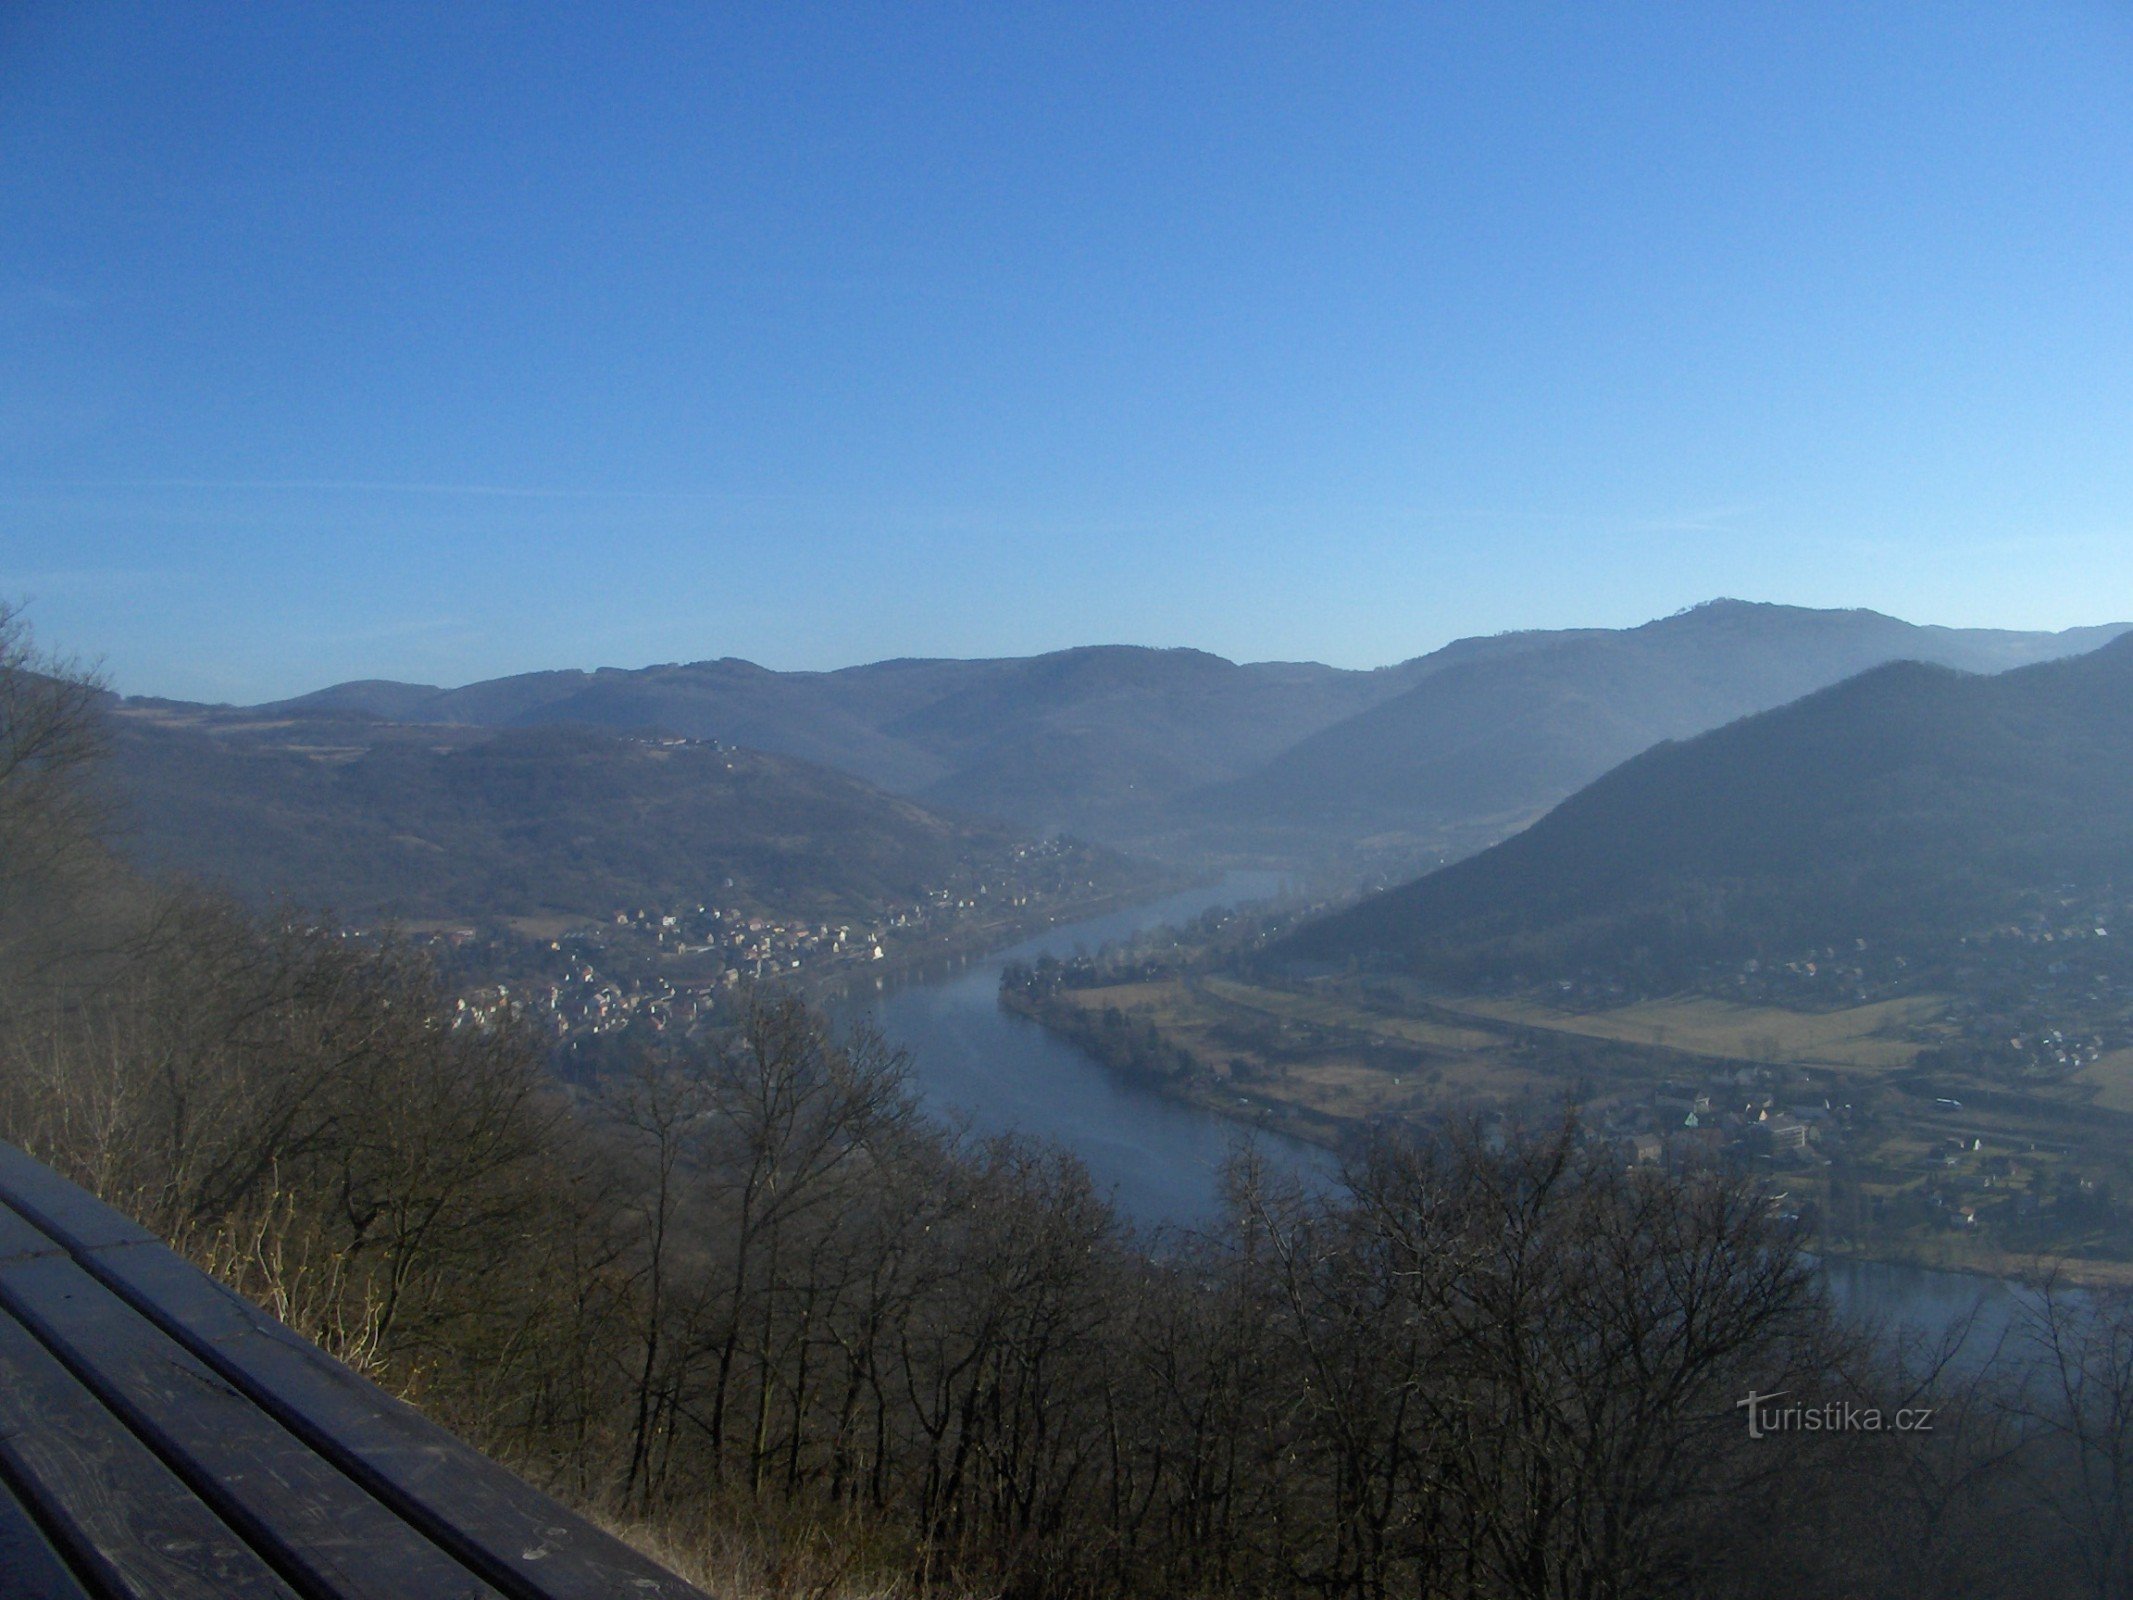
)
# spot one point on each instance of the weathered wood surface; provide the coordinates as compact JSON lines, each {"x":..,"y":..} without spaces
{"x":131,"y":1527}
{"x":63,"y":1210}
{"x":289,"y":1503}
{"x":150,"y":1418}
{"x":33,"y":1570}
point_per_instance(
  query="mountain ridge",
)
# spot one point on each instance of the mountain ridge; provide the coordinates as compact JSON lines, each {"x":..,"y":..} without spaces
{"x":1182,"y":752}
{"x":371,"y":818}
{"x":1910,"y":802}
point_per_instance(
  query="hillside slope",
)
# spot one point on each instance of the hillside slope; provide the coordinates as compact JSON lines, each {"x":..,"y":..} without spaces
{"x":1097,"y":739}
{"x":372,"y":818}
{"x":1910,"y":804}
{"x":1501,"y":738}
{"x":1187,"y":753}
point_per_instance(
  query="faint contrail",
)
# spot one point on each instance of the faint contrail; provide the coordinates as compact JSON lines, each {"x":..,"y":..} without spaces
{"x":366,"y":486}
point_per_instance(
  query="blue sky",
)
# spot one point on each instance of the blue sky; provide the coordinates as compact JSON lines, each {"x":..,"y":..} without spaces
{"x":438,"y":342}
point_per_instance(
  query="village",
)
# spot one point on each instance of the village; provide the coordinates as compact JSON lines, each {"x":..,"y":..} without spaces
{"x":670,"y":971}
{"x":1966,"y":1106}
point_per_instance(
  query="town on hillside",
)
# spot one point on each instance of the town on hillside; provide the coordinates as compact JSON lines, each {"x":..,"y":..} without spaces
{"x":670,"y":970}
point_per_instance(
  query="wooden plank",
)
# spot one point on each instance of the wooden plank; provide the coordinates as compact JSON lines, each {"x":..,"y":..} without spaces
{"x":119,"y":1515}
{"x":66,"y":1211}
{"x":19,"y":1240}
{"x":29,"y":1566}
{"x":515,"y":1537}
{"x":314,"y":1525}
{"x":509,"y":1532}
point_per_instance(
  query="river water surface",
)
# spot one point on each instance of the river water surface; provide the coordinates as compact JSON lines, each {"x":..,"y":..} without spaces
{"x":973,"y":1062}
{"x":1159,"y":1160}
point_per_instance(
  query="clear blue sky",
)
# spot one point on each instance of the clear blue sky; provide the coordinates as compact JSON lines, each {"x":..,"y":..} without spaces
{"x":441,"y":341}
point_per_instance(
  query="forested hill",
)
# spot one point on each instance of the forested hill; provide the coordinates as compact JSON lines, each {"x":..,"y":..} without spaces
{"x":1182,"y":752}
{"x":1501,"y":737}
{"x":1097,"y":739}
{"x":1911,"y":803}
{"x":368,"y":817}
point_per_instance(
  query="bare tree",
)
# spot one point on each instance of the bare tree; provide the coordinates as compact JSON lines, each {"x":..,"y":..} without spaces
{"x":52,"y":814}
{"x":2084,"y":1345}
{"x":50,"y":731}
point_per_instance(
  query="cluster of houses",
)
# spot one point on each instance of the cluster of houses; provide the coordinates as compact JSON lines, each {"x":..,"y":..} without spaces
{"x":743,"y":944}
{"x":665,"y":968}
{"x":1736,"y":1115}
{"x":585,"y":1003}
{"x":1949,"y":1181}
{"x":1852,"y":971}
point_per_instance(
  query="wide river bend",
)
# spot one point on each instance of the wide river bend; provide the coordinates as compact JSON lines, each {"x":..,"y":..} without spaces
{"x":1159,"y":1159}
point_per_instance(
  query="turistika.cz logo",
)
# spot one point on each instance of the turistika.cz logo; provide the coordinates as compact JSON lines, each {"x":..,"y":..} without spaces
{"x":1766,"y":1416}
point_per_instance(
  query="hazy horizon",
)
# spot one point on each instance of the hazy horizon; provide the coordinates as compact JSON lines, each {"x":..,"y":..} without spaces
{"x":444,"y":346}
{"x":560,"y":665}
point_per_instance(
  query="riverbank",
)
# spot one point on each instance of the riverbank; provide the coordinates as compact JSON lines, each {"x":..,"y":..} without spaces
{"x":1304,"y":1066}
{"x":1998,"y":1266}
{"x":1143,"y":1058}
{"x":994,"y":1069}
{"x":940,"y":957}
{"x":988,"y":1071}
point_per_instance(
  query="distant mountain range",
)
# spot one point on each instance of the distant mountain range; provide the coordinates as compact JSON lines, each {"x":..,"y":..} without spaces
{"x":1493,"y":737}
{"x":1184,"y":754}
{"x":366,"y":817}
{"x":1906,"y":806}
{"x":1098,"y":740}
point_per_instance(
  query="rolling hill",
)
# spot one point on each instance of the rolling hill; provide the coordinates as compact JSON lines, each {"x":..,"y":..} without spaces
{"x":1495,"y":739}
{"x":1908,"y":805}
{"x":1097,"y":739}
{"x":1186,"y":754}
{"x":369,"y":817}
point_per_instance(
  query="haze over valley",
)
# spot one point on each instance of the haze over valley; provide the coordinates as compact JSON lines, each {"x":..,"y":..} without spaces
{"x":1068,"y":803}
{"x":1830,"y":854}
{"x":1172,"y":754}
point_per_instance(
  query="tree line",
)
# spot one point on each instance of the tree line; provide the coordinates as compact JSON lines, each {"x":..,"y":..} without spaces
{"x":746,"y":1300}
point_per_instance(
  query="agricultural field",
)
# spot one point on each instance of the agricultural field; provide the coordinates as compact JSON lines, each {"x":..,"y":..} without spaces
{"x":1878,"y":1038}
{"x":1251,"y":1052}
{"x":1911,"y":1156}
{"x":1327,"y":1046}
{"x":1328,"y":1012}
{"x":2111,"y":1076}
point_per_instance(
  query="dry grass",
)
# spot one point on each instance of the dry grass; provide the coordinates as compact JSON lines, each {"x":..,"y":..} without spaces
{"x":1861,"y":1039}
{"x":1869,"y":1039}
{"x":549,"y":927}
{"x":1464,"y":1065}
{"x":743,"y":1554}
{"x":2112,"y":1076}
{"x":1327,"y":1013}
{"x":1128,"y":997}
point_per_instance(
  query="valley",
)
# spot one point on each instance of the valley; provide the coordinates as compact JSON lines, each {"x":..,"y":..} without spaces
{"x":1868,"y":946}
{"x":1744,"y":947}
{"x":1852,"y":1115}
{"x":1066,"y":802}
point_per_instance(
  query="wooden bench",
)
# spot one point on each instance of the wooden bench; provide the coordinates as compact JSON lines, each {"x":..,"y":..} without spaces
{"x":163,"y":1439}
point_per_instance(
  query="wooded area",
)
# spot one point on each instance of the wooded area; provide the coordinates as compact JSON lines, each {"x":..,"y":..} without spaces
{"x":745,"y":1301}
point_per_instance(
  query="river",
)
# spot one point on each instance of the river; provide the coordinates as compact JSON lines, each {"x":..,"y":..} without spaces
{"x":973,"y":1062}
{"x":1160,"y":1160}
